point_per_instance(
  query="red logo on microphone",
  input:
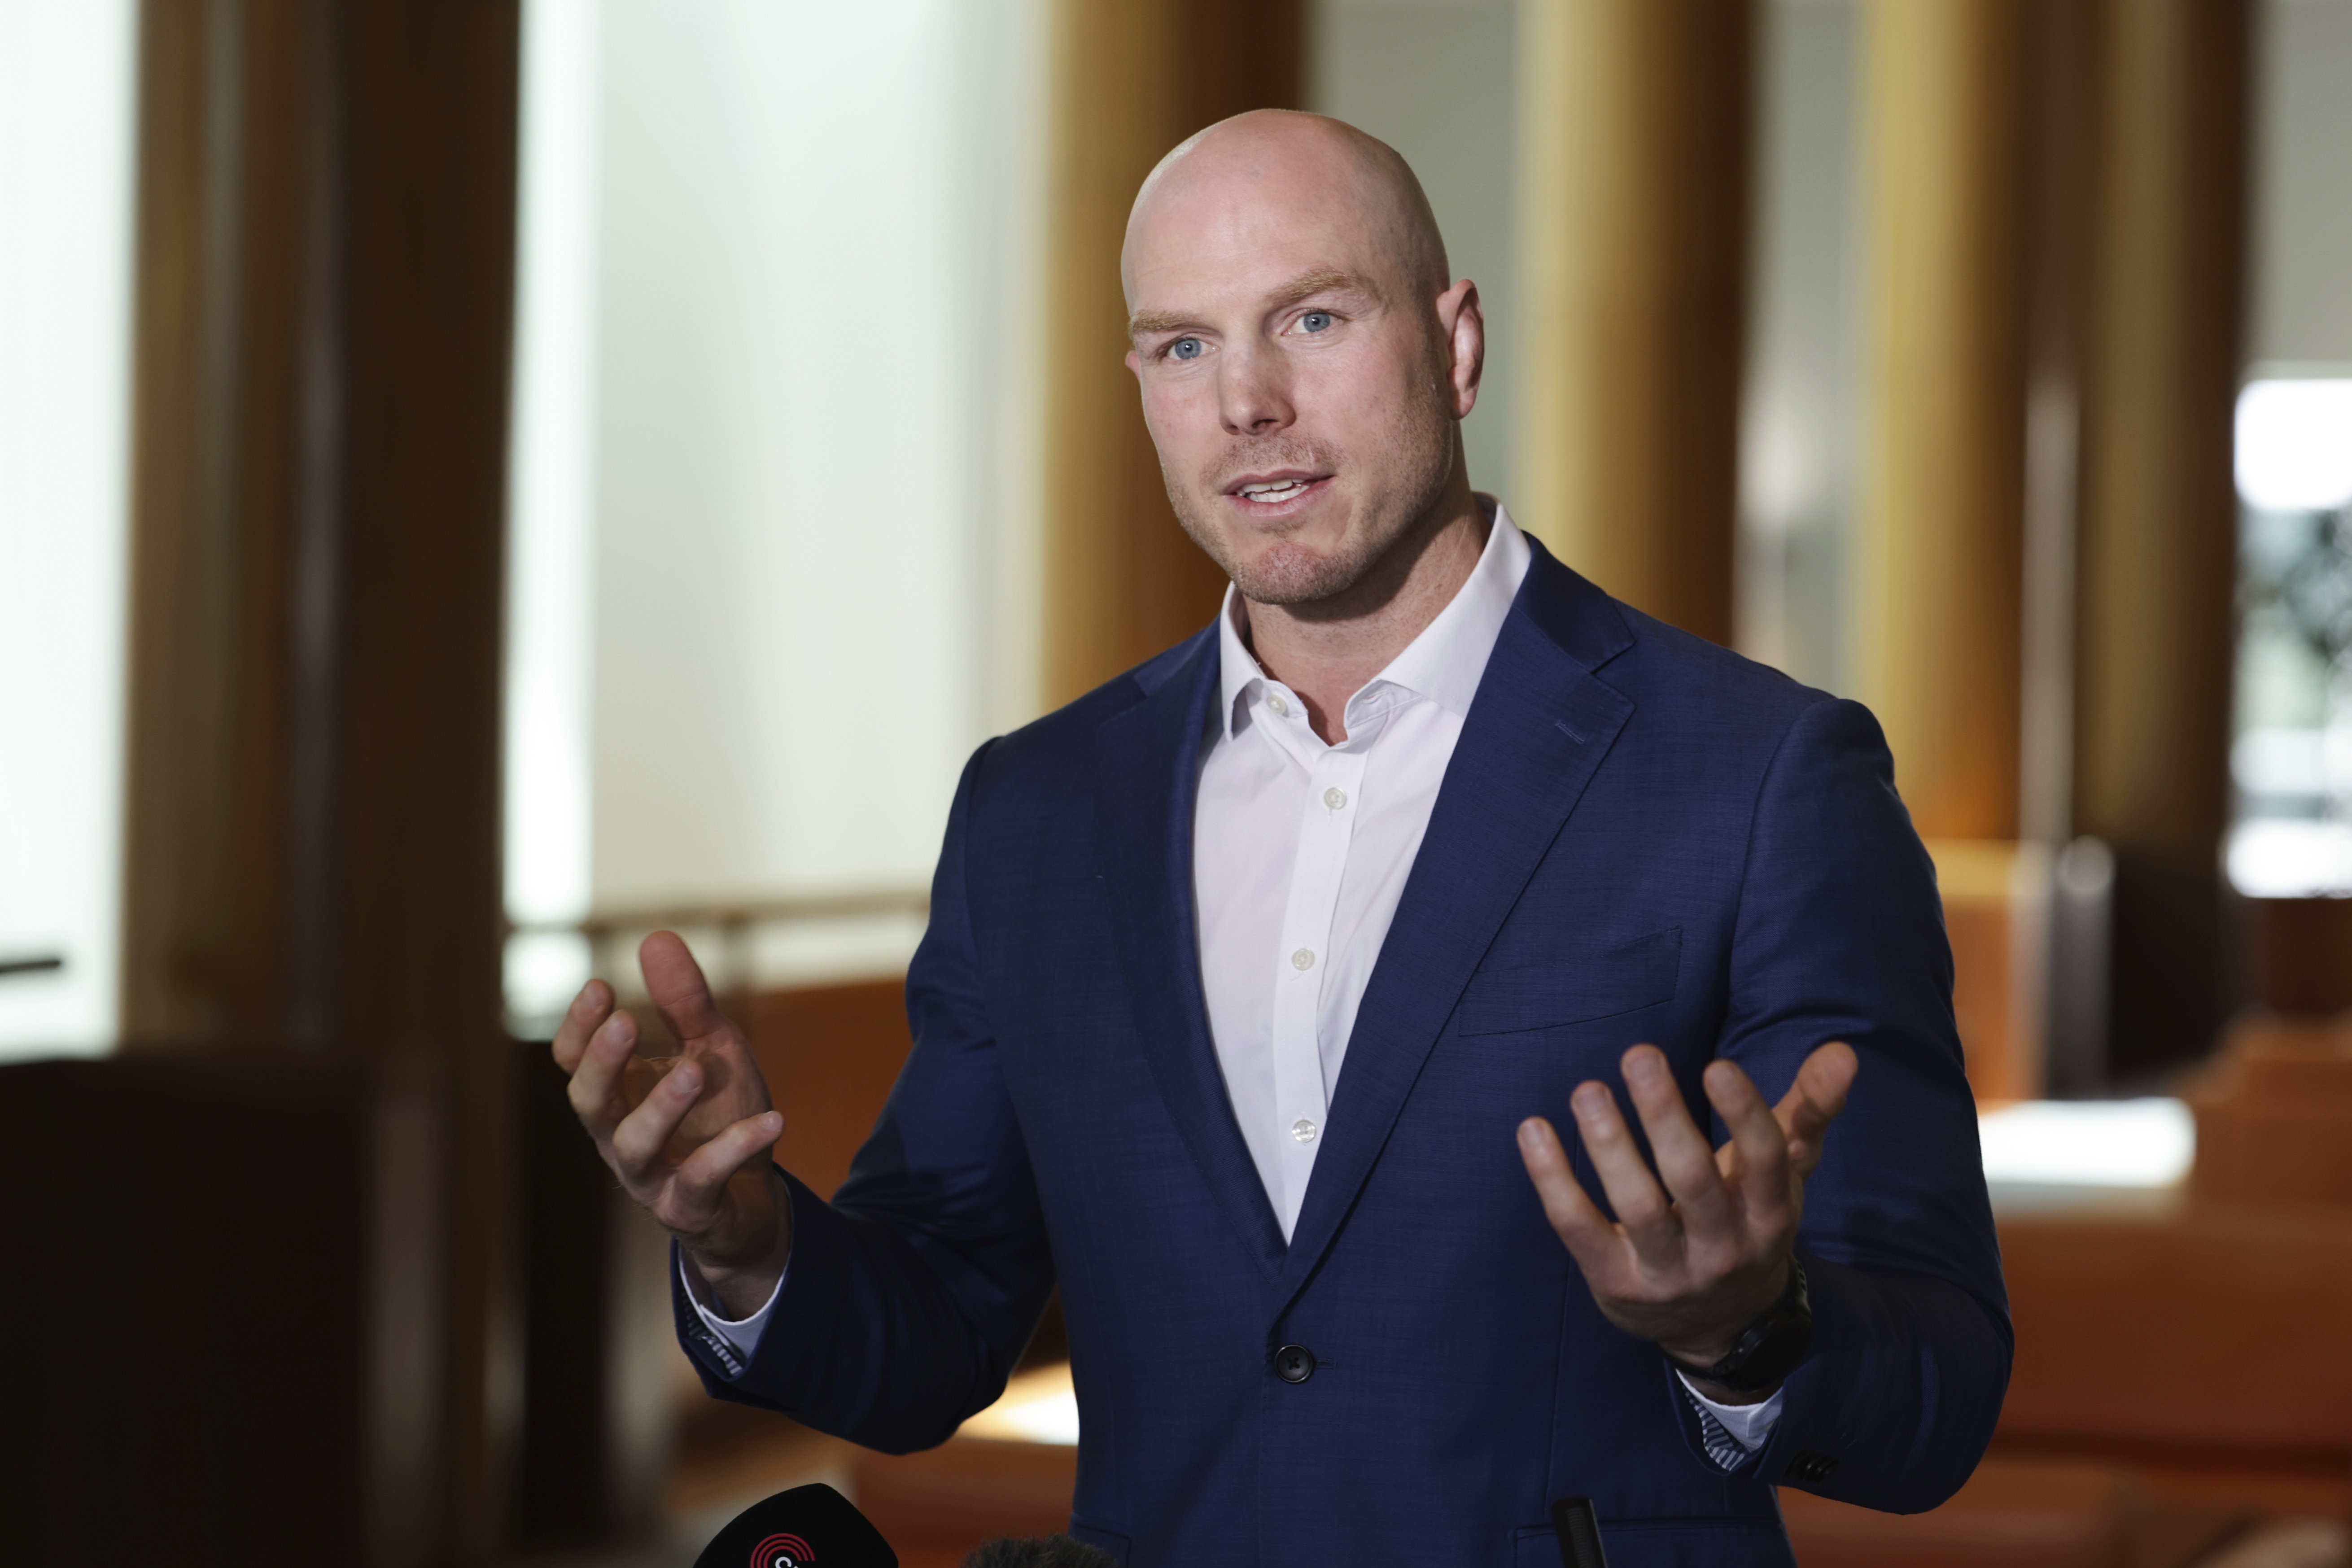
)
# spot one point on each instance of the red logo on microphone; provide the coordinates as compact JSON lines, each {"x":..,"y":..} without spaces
{"x":782,"y":1550}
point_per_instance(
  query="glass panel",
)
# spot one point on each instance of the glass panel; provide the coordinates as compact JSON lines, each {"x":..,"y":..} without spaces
{"x":2291,"y":760}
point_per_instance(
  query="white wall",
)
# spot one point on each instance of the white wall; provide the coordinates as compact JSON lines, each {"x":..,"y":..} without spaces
{"x":1435,"y":81}
{"x":2302,"y":306}
{"x":802,"y":497}
{"x":1797,"y":409}
{"x":66,"y":105}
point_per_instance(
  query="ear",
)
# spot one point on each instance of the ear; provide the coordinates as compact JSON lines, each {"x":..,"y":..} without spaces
{"x":1463,"y":324}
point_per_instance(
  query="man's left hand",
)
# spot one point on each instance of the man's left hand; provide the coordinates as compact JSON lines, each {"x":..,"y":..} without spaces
{"x":1692,"y":1266}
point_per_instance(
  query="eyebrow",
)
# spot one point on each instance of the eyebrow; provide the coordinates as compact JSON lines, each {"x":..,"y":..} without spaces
{"x":1321,"y":280}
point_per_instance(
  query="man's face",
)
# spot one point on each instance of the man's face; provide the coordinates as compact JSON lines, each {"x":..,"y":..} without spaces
{"x":1296,"y":387}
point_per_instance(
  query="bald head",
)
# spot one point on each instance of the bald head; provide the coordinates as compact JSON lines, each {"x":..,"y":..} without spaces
{"x":1271,"y":164}
{"x":1303,"y":360}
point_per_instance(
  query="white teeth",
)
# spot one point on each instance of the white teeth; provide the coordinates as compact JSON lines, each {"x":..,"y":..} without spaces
{"x":1280,"y":491}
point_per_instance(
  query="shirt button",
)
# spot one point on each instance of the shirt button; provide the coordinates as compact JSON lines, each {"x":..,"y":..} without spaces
{"x":1335,"y":798}
{"x":1294,"y":1364}
{"x":1274,"y":701}
{"x":1303,"y":959}
{"x":1303,"y":1130}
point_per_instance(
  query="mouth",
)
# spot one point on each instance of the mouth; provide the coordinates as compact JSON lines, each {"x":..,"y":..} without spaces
{"x":1270,"y":495}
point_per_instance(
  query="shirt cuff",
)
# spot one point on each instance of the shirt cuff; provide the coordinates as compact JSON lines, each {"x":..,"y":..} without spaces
{"x":740,"y":1335}
{"x":1733,"y":1432}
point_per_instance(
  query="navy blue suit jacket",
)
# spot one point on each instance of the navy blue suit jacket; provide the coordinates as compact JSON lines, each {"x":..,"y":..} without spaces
{"x":1641,"y":836}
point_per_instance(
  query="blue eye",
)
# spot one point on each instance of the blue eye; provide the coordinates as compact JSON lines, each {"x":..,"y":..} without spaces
{"x":1185,"y":348}
{"x":1316,"y":321}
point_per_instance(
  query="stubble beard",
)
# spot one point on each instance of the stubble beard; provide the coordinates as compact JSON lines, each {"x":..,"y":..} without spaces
{"x":1410,"y":463}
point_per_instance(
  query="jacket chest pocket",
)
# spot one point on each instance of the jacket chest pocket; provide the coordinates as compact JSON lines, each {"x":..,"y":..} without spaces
{"x":1575,"y":987}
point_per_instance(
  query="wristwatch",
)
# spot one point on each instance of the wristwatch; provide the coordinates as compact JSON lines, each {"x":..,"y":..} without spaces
{"x":1770,"y":1348}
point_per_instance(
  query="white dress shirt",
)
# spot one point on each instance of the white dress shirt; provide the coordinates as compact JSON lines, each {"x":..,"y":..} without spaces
{"x":1300,"y":852}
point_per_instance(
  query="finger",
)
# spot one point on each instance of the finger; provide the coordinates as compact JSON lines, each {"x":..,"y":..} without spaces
{"x":1814,"y":1101}
{"x":645,"y":1133}
{"x":676,"y":984}
{"x":708,"y":1169}
{"x":1760,"y":1168}
{"x":1585,"y":1230}
{"x":736,"y":1086}
{"x":595,"y":1090}
{"x":582,"y":1018}
{"x":1641,"y":1208}
{"x":734,"y":1082}
{"x":1685,"y":1163}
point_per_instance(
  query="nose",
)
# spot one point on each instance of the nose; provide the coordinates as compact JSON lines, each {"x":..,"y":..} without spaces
{"x":1254,"y":394}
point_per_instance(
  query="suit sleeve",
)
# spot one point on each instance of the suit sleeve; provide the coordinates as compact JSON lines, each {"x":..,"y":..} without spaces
{"x":911,"y":1294}
{"x":1840,"y":936}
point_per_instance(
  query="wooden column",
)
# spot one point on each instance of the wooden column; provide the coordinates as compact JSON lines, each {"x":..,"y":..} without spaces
{"x":1634,"y":152}
{"x":1131,"y":79}
{"x":2164,"y":301}
{"x":326,"y":217}
{"x":1947,"y":97}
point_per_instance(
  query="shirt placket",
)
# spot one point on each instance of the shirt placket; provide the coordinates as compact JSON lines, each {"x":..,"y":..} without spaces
{"x":1302,"y":1099}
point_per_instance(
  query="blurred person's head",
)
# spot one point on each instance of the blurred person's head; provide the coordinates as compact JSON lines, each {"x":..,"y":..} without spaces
{"x":1305,"y":360}
{"x":1039,"y":1551}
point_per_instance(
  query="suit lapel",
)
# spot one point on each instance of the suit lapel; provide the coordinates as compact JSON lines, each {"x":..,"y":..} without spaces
{"x":1147,"y":773}
{"x":1539,"y":728}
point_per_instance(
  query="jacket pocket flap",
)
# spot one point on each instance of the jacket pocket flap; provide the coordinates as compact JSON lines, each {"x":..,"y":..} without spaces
{"x":1575,"y":988}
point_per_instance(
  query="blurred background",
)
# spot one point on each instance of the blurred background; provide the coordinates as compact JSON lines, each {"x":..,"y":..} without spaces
{"x":480,"y":481}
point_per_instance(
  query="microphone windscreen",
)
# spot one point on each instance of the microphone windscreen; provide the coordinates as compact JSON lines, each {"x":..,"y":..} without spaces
{"x":808,"y":1526}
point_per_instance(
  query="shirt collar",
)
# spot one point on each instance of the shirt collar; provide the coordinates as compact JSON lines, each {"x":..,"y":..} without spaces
{"x":1444,"y":663}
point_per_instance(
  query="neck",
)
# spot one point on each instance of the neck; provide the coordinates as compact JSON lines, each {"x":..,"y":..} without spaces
{"x":1327,"y":650}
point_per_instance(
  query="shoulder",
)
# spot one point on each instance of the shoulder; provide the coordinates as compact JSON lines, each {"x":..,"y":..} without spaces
{"x":1674,"y":679}
{"x":1059,"y":745}
{"x":1803,"y":768}
{"x":1685,"y":686}
{"x":1703,"y":720}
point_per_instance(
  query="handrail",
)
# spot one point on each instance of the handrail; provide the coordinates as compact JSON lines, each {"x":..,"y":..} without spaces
{"x":599,"y":924}
{"x":735,"y":921}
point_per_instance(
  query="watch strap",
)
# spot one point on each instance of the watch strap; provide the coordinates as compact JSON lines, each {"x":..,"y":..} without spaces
{"x":1769,"y":1348}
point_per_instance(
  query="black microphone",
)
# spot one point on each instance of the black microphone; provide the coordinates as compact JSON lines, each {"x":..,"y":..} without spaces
{"x":808,"y":1526}
{"x":1580,"y":1533}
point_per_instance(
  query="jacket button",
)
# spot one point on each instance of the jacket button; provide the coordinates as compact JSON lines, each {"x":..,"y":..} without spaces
{"x":1294,"y":1364}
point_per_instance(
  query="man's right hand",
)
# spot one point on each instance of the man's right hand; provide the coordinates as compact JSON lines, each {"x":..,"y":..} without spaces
{"x":690,"y":1135}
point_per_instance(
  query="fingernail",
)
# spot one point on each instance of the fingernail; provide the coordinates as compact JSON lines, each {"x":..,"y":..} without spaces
{"x":1527,"y":1133}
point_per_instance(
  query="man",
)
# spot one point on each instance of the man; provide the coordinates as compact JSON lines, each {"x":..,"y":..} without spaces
{"x":1253,"y":977}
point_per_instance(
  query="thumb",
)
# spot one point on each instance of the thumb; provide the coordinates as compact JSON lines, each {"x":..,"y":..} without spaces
{"x":674,"y":982}
{"x":1814,"y":1101}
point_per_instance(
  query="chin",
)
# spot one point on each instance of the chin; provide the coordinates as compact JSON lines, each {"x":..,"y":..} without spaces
{"x":1289,"y":573}
{"x":1284,"y":567}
